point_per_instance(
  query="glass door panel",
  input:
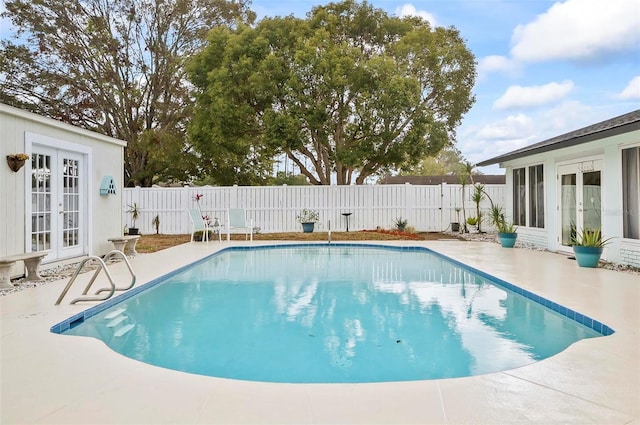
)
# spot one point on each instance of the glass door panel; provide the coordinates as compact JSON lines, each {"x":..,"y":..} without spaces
{"x":591,"y":200}
{"x":568,"y":207}
{"x":57,"y":193}
{"x":41,"y":194}
{"x":580,"y":199}
{"x":69,"y":201}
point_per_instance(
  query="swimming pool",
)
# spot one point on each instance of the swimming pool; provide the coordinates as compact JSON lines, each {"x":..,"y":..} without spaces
{"x":335,"y":313}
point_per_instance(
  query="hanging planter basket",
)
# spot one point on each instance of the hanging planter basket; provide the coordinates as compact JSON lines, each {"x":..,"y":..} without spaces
{"x":16,"y":161}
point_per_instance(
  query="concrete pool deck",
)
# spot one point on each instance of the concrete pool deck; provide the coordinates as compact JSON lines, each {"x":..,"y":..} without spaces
{"x":54,"y":379}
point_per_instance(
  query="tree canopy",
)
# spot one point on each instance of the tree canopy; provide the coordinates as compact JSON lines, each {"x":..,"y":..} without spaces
{"x":346,"y":93}
{"x":115,"y":67}
{"x":449,"y":161}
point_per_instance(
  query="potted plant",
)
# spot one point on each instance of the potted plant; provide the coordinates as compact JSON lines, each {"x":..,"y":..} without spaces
{"x":400,"y":223}
{"x":506,"y":230}
{"x":16,"y":161}
{"x":588,"y":246}
{"x":135,"y":214}
{"x":507,"y":234}
{"x":472,"y":221}
{"x":308,"y":218}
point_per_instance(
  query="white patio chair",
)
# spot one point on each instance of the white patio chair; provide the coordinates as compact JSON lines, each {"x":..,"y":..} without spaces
{"x":198,"y":224}
{"x":237,"y":220}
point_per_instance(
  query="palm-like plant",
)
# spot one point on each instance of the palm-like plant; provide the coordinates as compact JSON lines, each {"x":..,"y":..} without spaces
{"x":496,"y":217}
{"x":135,"y":213}
{"x":592,"y":238}
{"x":477,"y":197}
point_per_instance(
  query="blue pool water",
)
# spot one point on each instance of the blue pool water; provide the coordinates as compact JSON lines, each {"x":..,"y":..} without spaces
{"x":332,"y":313}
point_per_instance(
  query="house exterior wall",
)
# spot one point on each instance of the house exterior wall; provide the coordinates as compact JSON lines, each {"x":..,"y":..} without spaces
{"x":608,"y":150}
{"x":20,"y":132}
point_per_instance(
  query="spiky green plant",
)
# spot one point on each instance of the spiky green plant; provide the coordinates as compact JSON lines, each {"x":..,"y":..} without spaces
{"x":590,"y":237}
{"x":506,"y":227}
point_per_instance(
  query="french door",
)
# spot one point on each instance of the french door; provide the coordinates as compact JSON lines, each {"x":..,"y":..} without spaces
{"x":58,"y":216}
{"x":580,"y":203}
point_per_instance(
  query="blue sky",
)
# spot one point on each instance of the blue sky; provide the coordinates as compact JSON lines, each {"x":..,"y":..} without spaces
{"x":544,"y":67}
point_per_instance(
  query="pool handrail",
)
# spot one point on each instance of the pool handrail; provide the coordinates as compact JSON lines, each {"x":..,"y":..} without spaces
{"x":101,"y":266}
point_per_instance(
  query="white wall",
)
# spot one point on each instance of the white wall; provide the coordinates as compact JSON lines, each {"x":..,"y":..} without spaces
{"x":608,"y":150}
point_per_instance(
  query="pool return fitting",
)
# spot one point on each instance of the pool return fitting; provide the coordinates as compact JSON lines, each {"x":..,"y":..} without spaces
{"x":101,"y":266}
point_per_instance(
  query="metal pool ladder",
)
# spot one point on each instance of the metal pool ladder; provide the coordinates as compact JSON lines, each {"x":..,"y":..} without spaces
{"x":101,"y":266}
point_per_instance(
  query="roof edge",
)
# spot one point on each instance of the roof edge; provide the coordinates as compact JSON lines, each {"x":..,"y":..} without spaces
{"x":31,"y":116}
{"x":599,"y":131}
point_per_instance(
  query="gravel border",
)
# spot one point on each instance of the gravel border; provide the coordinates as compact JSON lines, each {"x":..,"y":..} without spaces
{"x":50,"y":275}
{"x":492,"y":237}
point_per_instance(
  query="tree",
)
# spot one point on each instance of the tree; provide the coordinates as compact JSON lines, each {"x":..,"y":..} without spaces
{"x":289,"y":179}
{"x":115,"y":67}
{"x":449,"y":161}
{"x":347,"y":93}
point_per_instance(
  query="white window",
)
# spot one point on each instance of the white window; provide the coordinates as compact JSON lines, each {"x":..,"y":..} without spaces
{"x":528,"y":196}
{"x":536,"y":196}
{"x":519,"y":197}
{"x":631,"y":193}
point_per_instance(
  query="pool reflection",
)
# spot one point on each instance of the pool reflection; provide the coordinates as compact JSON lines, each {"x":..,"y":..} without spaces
{"x":335,"y":314}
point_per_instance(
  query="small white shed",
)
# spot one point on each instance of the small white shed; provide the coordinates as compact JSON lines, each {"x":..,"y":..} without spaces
{"x":585,"y":179}
{"x":66,"y":197}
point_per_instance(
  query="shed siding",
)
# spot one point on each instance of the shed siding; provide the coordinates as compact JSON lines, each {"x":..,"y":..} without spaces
{"x":19,"y":131}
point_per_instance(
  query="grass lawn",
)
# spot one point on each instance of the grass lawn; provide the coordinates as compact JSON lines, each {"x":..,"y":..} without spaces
{"x":153,"y":243}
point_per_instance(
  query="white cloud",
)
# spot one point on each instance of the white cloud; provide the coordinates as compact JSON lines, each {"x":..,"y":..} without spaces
{"x":579,"y":30}
{"x":519,"y":96}
{"x":512,"y":127}
{"x":495,"y":138}
{"x":496,"y":63}
{"x":410,"y":10}
{"x":632,"y":91}
{"x":479,"y":143}
{"x":568,"y":116}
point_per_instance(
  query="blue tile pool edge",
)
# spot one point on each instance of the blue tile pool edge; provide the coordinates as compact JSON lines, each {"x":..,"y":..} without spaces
{"x":587,"y":321}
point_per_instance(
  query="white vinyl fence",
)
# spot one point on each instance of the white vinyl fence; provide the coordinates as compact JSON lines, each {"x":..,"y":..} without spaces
{"x":274,"y":208}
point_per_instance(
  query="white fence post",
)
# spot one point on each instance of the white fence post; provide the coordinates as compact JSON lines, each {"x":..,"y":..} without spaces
{"x":445,"y":206}
{"x":184,"y":205}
